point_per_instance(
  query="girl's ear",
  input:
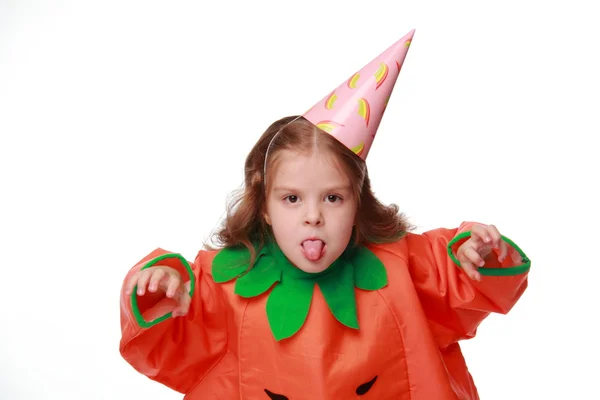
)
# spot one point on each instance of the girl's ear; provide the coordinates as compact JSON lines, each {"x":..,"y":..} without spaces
{"x":267,"y":218}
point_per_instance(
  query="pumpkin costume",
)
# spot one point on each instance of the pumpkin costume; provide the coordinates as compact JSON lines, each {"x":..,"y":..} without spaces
{"x":384,"y":321}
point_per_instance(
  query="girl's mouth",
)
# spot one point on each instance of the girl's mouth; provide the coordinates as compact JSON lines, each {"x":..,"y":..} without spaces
{"x":313,"y":249}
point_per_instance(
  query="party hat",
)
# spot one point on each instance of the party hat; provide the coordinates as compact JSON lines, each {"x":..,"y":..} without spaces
{"x":353,"y":111}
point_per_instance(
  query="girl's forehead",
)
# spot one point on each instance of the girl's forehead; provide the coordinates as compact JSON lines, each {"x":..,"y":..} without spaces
{"x":289,"y":158}
{"x":304,"y":169}
{"x":294,"y":161}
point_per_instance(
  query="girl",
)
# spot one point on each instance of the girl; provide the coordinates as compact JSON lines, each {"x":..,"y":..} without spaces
{"x":318,"y":290}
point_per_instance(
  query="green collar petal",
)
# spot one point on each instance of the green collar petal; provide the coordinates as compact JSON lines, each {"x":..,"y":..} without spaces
{"x":289,"y":301}
{"x":369,"y":272}
{"x":259,"y":279}
{"x":338,"y":290}
{"x":288,"y":305}
{"x":230,"y":263}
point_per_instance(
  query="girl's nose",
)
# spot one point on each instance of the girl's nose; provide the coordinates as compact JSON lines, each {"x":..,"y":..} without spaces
{"x":313,"y":217}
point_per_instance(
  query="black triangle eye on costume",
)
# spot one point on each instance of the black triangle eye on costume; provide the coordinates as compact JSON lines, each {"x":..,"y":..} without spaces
{"x":365,"y":387}
{"x":275,"y":396}
{"x":362,"y":389}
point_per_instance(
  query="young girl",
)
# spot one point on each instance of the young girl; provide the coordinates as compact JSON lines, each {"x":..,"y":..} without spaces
{"x":318,"y":290}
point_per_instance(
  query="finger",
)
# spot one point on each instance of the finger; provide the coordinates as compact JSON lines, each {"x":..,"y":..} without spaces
{"x":143,"y":281}
{"x":516,"y":257}
{"x":183,"y":302}
{"x":155,"y":279}
{"x":173,"y":285}
{"x":479,"y":232}
{"x":484,"y":250}
{"x":183,"y":299}
{"x":473,"y":257}
{"x":503,"y":251}
{"x":131,"y":283}
{"x":470,"y":270}
{"x":495,"y":236}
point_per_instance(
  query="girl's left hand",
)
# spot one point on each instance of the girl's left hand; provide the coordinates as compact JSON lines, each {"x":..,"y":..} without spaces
{"x":484,"y":239}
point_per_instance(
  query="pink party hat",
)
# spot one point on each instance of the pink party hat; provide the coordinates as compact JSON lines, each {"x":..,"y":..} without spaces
{"x":353,"y":111}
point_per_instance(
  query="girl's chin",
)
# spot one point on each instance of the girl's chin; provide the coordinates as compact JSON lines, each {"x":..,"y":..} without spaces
{"x":312,"y":267}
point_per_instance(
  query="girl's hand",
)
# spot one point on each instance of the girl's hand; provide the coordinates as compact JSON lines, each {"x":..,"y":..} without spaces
{"x":166,"y":279}
{"x":484,"y":239}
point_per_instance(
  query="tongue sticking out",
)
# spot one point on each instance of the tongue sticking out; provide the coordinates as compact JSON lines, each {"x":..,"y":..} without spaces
{"x":313,"y":249}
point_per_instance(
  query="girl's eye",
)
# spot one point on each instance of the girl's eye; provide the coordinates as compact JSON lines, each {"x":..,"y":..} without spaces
{"x":332,"y":198}
{"x":292,"y":198}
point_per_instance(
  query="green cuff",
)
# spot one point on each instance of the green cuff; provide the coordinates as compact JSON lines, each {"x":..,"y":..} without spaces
{"x":134,"y":304}
{"x":509,"y":271}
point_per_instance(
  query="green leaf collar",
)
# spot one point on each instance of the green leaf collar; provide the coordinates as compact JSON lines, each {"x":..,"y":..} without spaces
{"x":289,"y":300}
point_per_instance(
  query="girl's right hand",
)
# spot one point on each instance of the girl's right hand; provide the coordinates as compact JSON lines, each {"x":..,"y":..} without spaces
{"x":166,"y":279}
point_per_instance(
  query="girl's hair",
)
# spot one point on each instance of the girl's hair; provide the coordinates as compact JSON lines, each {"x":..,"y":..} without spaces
{"x":245,"y":223}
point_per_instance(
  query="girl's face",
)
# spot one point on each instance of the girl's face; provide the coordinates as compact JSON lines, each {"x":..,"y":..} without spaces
{"x":311,"y":208}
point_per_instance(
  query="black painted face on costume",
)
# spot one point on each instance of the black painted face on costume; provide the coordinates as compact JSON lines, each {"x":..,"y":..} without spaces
{"x":360,"y":390}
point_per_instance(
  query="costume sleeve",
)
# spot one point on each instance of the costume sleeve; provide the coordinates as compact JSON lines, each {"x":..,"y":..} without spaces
{"x":454,"y":304}
{"x":177,"y":352}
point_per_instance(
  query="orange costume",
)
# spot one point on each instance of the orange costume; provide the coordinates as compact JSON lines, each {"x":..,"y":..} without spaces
{"x":382,"y":322}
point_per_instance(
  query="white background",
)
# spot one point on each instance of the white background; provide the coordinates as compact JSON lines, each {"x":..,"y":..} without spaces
{"x":124,"y":125}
